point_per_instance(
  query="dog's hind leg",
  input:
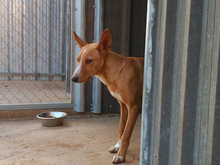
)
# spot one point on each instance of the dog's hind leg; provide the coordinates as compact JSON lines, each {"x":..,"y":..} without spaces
{"x":123,"y":120}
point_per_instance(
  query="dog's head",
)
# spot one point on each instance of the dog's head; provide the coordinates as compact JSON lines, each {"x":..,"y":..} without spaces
{"x":91,"y":56}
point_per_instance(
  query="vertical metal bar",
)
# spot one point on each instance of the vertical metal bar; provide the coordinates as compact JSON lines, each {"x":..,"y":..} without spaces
{"x":47,"y":33}
{"x":69,"y":48}
{"x":145,"y":146}
{"x":96,"y":95}
{"x":36,"y":38}
{"x":8,"y":38}
{"x":57,"y":38}
{"x":40,"y":68}
{"x":54,"y":34}
{"x":58,"y":34}
{"x":22,"y":37}
{"x":64,"y":38}
{"x":51,"y":37}
{"x":158,"y":60}
{"x":78,"y":24}
{"x":12,"y":40}
{"x":26,"y":35}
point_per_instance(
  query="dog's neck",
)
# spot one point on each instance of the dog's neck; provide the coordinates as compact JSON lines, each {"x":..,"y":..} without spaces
{"x":110,"y":72}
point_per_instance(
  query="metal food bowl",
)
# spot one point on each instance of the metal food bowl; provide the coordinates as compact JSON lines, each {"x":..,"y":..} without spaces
{"x":51,"y":119}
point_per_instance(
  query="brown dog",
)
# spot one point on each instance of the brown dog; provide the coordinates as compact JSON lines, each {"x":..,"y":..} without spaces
{"x":124,"y":78}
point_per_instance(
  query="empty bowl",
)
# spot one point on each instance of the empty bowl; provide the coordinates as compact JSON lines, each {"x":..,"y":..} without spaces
{"x":51,"y":119}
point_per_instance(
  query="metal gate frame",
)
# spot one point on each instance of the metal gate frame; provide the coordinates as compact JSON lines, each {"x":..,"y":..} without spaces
{"x":77,"y":16}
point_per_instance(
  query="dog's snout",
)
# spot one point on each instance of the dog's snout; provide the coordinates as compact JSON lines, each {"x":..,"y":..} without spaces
{"x":75,"y":79}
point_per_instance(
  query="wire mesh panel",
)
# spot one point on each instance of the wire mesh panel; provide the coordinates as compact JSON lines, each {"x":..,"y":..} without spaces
{"x":33,"y":51}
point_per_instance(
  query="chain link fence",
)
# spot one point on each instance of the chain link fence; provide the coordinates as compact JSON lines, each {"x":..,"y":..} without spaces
{"x":34,"y":51}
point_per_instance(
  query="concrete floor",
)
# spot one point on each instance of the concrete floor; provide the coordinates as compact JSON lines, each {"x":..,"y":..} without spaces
{"x":82,"y":141}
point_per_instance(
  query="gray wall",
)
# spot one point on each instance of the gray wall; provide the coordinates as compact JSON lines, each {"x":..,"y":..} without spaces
{"x":181,"y":96}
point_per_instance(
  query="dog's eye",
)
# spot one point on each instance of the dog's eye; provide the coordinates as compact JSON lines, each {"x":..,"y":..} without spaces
{"x":88,"y":61}
{"x":77,"y":59}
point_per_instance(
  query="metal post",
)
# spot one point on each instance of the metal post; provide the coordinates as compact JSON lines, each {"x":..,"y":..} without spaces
{"x":22,"y":43}
{"x":36,"y":40}
{"x":96,"y":96}
{"x":144,"y":152}
{"x":78,"y":24}
{"x":12,"y":40}
{"x":8,"y":42}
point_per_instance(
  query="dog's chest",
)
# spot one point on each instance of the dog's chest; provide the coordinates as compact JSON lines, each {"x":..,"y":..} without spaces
{"x":101,"y":78}
{"x":117,"y":96}
{"x":114,"y":94}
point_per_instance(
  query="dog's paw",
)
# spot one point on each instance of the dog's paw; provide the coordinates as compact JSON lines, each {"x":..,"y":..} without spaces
{"x":118,"y":159}
{"x":113,"y":149}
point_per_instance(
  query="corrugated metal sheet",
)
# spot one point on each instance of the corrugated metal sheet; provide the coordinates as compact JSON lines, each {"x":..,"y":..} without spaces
{"x":181,"y":102}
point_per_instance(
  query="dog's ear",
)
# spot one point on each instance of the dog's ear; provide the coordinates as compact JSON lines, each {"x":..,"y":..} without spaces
{"x":80,"y":42}
{"x":105,"y":41}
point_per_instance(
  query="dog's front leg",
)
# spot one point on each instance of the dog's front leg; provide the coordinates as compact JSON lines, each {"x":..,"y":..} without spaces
{"x":133,"y":112}
{"x":123,"y":120}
